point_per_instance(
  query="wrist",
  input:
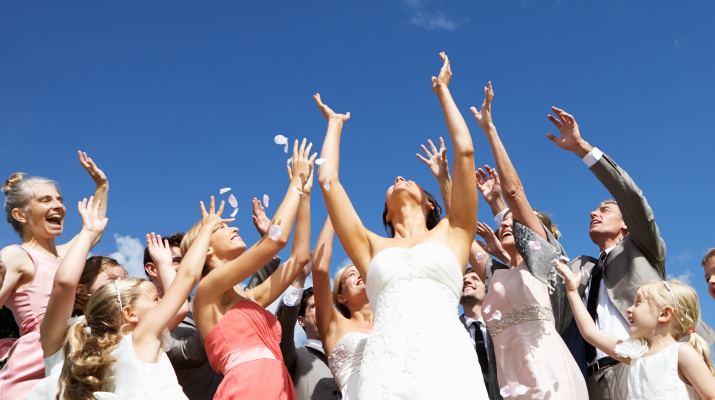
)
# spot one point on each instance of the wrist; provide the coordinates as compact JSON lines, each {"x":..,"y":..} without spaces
{"x":582,"y":149}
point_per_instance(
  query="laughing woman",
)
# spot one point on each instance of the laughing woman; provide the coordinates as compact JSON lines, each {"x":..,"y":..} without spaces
{"x":34,"y":209}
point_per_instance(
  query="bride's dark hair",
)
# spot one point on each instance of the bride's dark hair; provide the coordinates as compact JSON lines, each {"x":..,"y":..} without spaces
{"x":433,"y":216}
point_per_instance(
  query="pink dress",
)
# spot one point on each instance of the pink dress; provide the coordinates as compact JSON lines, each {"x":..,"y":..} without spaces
{"x":26,"y":366}
{"x":244,"y":347}
{"x":533,"y":361}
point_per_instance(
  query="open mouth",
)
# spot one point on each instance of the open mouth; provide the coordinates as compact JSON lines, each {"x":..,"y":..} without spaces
{"x":55,"y":220}
{"x":235,"y":237}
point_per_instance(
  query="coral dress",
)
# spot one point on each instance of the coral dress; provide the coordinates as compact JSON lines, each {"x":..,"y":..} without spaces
{"x":26,"y":365}
{"x":244,"y":346}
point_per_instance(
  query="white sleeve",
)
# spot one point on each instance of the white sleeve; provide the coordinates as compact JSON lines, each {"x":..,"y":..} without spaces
{"x":292,"y":296}
{"x":592,"y":157}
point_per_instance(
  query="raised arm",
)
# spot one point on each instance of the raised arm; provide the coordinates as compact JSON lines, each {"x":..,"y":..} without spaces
{"x":634,"y":207}
{"x":489,"y":184}
{"x":146,"y":335}
{"x":61,"y":302}
{"x":326,"y":315}
{"x":222,"y":279}
{"x":511,"y":186}
{"x":439,"y":166}
{"x":353,"y":235}
{"x":268,"y":291}
{"x":262,"y":223}
{"x":101,"y":194}
{"x":160,"y":253}
{"x":599,"y":339}
{"x":464,"y":200}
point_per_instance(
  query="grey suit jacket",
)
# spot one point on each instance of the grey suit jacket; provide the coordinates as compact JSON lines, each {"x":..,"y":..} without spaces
{"x":307,"y":364}
{"x":640,"y":256}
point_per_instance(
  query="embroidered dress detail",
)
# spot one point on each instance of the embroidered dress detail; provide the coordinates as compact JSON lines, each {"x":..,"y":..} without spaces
{"x":516,"y":317}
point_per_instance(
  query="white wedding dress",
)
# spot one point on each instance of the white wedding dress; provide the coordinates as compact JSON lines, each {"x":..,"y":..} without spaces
{"x":345,"y":362}
{"x":418,"y":348}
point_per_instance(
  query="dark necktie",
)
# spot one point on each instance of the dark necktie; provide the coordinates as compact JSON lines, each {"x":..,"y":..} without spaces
{"x":592,"y":305}
{"x":480,"y":346}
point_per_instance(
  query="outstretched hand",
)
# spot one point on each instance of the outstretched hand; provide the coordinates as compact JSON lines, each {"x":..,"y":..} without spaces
{"x":92,"y":169}
{"x":489,"y":184}
{"x":484,"y":115}
{"x":302,"y":166}
{"x":159,"y":251}
{"x":491,"y":243}
{"x":212,"y":219}
{"x":89,"y":210}
{"x":260,"y":220}
{"x":570,"y":139}
{"x":572,"y":280}
{"x":445,"y":75}
{"x":328,"y":113}
{"x":436,"y":160}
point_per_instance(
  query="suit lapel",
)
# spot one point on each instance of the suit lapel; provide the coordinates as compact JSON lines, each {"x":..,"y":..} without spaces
{"x":316,"y":351}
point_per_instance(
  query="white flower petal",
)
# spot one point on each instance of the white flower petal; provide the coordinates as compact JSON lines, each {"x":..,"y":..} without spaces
{"x":521,"y":389}
{"x":297,"y":190}
{"x":488,"y":308}
{"x":224,"y":190}
{"x":535,"y":246}
{"x":496,"y":316}
{"x":280,"y":139}
{"x":505,"y":391}
{"x":285,"y":148}
{"x":274,"y":232}
{"x":326,"y":185}
{"x":235,"y":211}
{"x":232,"y":201}
{"x":320,"y":161}
{"x":564,"y":259}
{"x":265,"y":200}
{"x":631,"y":348}
{"x":481,"y":256}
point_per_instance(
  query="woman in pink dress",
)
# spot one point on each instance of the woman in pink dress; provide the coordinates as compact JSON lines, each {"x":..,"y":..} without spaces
{"x":241,"y":338}
{"x":34,"y":209}
{"x":523,"y":308}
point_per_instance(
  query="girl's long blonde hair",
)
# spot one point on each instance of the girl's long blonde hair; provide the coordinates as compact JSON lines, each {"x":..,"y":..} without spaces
{"x":683,"y":300}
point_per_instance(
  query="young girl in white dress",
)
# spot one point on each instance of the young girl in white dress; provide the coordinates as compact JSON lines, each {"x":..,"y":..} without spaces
{"x":660,"y":366}
{"x":116,"y":352}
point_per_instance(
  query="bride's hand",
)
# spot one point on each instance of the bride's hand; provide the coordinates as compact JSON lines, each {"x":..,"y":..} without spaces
{"x":441,"y":82}
{"x":328,"y":113}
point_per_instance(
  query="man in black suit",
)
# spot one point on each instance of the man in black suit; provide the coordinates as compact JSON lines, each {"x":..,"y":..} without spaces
{"x":471,"y":301}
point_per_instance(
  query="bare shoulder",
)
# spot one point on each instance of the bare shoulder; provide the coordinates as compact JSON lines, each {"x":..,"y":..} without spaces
{"x":16,"y":259}
{"x":687,"y":354}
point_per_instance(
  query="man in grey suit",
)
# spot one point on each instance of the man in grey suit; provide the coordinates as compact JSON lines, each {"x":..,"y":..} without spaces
{"x":632,"y":253}
{"x":307,"y":364}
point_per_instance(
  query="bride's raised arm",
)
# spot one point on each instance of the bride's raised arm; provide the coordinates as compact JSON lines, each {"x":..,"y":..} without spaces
{"x":352,"y":233}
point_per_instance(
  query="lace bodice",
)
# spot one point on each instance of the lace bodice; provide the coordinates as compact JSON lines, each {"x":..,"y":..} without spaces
{"x":345,"y":362}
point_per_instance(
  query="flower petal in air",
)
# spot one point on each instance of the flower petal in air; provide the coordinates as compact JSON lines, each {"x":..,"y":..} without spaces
{"x":505,"y":391}
{"x":521,"y":389}
{"x":320,"y":161}
{"x":297,"y":190}
{"x":481,"y":256}
{"x":326,"y":185}
{"x":496,"y":316}
{"x":265,"y":200}
{"x":235,"y":211}
{"x":224,"y":190}
{"x":488,"y":308}
{"x":285,"y":148}
{"x":232,"y":201}
{"x":280,"y":139}
{"x":535,"y":246}
{"x":274,"y":232}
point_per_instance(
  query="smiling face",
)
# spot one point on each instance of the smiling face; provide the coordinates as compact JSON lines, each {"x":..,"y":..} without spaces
{"x":642,"y":317}
{"x":710,"y":275}
{"x":472,"y":289}
{"x":148,"y":299}
{"x":226,"y":244}
{"x":506,"y":233}
{"x":45,"y":214}
{"x":349,"y":292}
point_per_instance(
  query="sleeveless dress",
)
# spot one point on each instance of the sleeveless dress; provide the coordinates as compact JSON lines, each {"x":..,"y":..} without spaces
{"x":345,"y":361}
{"x":26,"y":366}
{"x":135,"y":379}
{"x":244,"y":346}
{"x":418,"y":348}
{"x":656,"y":377}
{"x":46,"y":388}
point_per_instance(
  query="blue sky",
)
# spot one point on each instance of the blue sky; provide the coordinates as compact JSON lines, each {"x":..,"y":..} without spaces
{"x":175,"y":100}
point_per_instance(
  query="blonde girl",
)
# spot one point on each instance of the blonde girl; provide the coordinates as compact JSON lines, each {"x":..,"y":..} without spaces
{"x":660,"y":367}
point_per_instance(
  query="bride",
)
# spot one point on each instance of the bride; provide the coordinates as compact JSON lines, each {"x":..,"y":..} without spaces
{"x":418,"y":349}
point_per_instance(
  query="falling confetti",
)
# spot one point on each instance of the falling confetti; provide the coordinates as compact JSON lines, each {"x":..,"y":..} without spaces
{"x":274,"y":232}
{"x":564,"y":259}
{"x":505,"y":391}
{"x":297,"y":190}
{"x":265,"y":200}
{"x":521,"y":389}
{"x":481,"y":256}
{"x":320,"y":161}
{"x":235,"y":211}
{"x":326,"y":185}
{"x":224,"y":190}
{"x":496,"y":316}
{"x":280,"y":139}
{"x":232,"y":201}
{"x":535,"y":246}
{"x":488,"y":308}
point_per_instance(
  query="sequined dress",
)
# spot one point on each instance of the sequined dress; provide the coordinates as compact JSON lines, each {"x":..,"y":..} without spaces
{"x":418,"y":348}
{"x":345,"y":362}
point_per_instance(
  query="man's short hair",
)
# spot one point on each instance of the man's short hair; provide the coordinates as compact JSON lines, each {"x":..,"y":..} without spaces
{"x":611,"y":201}
{"x":710,"y":254}
{"x":469,"y":271}
{"x":174,"y":241}
{"x":304,"y":301}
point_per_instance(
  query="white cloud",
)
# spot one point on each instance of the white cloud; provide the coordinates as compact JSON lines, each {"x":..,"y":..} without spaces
{"x":130,"y":254}
{"x":677,"y":43}
{"x":684,"y":277}
{"x":430,"y":19}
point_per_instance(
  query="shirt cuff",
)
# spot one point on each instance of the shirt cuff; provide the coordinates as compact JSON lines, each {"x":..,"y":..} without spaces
{"x":592,"y":157}
{"x":500,"y":217}
{"x":292,"y":296}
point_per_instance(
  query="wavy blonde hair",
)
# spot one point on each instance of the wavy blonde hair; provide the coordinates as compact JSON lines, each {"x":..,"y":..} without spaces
{"x":88,"y":355}
{"x":337,"y":290}
{"x":683,"y":300}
